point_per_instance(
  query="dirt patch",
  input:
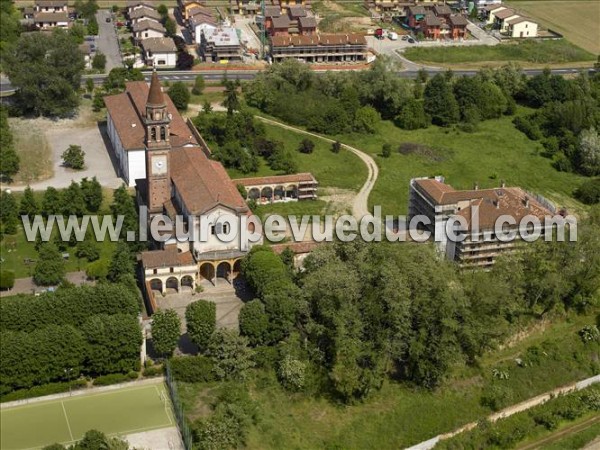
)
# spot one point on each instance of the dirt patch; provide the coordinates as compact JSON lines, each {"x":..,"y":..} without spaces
{"x":433,"y":154}
{"x":339,"y":201}
{"x":333,"y":6}
{"x":33,"y":149}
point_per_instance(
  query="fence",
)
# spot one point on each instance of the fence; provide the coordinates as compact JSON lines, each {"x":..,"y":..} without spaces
{"x":184,"y":429}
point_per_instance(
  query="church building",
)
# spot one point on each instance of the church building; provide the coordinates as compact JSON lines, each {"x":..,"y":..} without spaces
{"x":168,"y":162}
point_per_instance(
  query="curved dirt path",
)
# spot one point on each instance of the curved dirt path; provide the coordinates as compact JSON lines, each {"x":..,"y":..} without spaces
{"x":360,"y":204}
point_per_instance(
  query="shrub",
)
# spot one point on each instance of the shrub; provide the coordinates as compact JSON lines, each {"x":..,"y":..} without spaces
{"x":589,"y":333}
{"x":589,"y":192}
{"x":153,"y":371}
{"x":44,"y":389}
{"x":292,"y":373}
{"x":386,"y":150}
{"x":192,"y":369}
{"x":336,"y":147}
{"x":496,"y":397}
{"x":7,"y":279}
{"x":254,"y":322}
{"x":527,"y":126}
{"x":112,"y":378}
{"x":306,"y":146}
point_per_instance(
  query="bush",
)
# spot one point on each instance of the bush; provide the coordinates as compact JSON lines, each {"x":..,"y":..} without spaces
{"x":180,"y":95}
{"x":254,"y":322}
{"x":589,"y":192}
{"x":306,"y":146}
{"x":192,"y":369}
{"x":153,"y":371}
{"x":336,"y":147}
{"x":496,"y":397}
{"x":112,"y":378}
{"x":7,"y":279}
{"x":44,"y":389}
{"x":292,"y":373}
{"x":527,"y":126}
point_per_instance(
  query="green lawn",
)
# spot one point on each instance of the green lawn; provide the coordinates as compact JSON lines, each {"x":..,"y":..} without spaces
{"x":342,"y":170}
{"x":496,"y":152}
{"x":542,"y":52}
{"x":122,"y":411}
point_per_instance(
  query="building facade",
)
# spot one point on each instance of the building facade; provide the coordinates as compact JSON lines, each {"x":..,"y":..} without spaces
{"x":318,"y":48}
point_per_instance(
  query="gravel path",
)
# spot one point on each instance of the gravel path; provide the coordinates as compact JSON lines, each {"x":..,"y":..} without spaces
{"x":360,"y":203}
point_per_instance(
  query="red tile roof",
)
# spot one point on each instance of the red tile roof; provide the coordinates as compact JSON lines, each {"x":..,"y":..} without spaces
{"x":277,"y":179}
{"x":169,"y":257}
{"x":319,"y":39}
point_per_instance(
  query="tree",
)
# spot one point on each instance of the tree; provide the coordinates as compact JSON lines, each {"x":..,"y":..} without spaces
{"x":180,"y":95}
{"x":439,"y":101}
{"x":7,"y":279}
{"x":201,"y":320}
{"x":366,"y":120}
{"x":9,"y":212}
{"x":74,"y":157}
{"x":198,"y":85}
{"x":412,"y":116}
{"x":292,"y":373}
{"x":115,"y":81}
{"x":89,"y":85}
{"x":73,"y":202}
{"x":170,"y":27}
{"x":92,"y":193}
{"x":52,"y":202}
{"x":121,"y":264}
{"x":589,"y":192}
{"x":46,"y":71}
{"x":589,"y":152}
{"x":254,"y":322}
{"x":231,"y":101}
{"x":99,"y":61}
{"x":386,"y":150}
{"x":163,"y":10}
{"x":185,"y":61}
{"x":50,"y":268}
{"x":306,"y":146}
{"x":207,"y":107}
{"x":9,"y":160}
{"x":336,"y":147}
{"x":166,"y":327}
{"x":230,"y":354}
{"x":87,"y":249}
{"x":92,"y":26}
{"x":28,"y":206}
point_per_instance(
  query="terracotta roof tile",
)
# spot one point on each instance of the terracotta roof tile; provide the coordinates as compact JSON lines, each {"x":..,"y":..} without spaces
{"x":169,"y":257}
{"x":277,"y":179}
{"x":146,"y":24}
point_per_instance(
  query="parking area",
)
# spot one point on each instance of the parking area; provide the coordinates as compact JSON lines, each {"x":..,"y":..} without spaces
{"x":107,"y":40}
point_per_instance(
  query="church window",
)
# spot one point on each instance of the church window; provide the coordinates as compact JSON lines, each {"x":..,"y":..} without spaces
{"x":153,"y":134}
{"x":163,"y":133}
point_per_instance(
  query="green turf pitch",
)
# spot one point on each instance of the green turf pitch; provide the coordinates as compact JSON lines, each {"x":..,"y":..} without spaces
{"x":119,"y":412}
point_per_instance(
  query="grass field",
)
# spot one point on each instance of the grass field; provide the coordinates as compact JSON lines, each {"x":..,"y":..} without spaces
{"x":34,"y":152}
{"x":524,"y":52}
{"x":577,"y":20}
{"x":119,"y":412}
{"x":342,"y":170}
{"x":497,"y":151}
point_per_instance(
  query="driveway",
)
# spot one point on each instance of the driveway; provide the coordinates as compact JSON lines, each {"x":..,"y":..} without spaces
{"x":107,"y":40}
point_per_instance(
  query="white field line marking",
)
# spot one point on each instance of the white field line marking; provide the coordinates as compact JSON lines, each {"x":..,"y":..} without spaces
{"x":162,"y":395}
{"x":67,"y":419}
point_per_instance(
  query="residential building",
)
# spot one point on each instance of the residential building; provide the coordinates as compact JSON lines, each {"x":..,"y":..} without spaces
{"x":442,"y":11}
{"x":245,"y":7}
{"x":86,"y":50}
{"x":175,"y":177}
{"x":431,"y":26}
{"x":379,"y":8}
{"x":490,"y":12}
{"x":144,"y":13}
{"x":415,"y":16}
{"x":458,"y":27}
{"x":46,"y":20}
{"x":502,"y":18}
{"x":286,"y":4}
{"x":280,"y":188}
{"x":200,"y":24}
{"x":522,"y":27}
{"x":186,"y":6}
{"x":136,"y":4}
{"x":147,"y":29}
{"x":319,"y":48}
{"x":478,"y":209}
{"x":51,"y":6}
{"x":280,"y":26}
{"x":159,"y":52}
{"x":220,"y":44}
{"x":307,"y":25}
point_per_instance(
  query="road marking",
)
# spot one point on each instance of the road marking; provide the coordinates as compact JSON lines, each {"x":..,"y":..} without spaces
{"x":67,"y":419}
{"x":175,"y":77}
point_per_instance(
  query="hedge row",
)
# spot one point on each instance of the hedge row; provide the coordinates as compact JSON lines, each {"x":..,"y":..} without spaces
{"x":46,"y":389}
{"x":70,"y":306}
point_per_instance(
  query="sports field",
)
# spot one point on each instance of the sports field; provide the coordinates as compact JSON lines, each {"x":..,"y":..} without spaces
{"x":577,"y":20}
{"x":119,"y":412}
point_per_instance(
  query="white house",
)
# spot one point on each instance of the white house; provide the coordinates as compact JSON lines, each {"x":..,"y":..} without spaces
{"x":147,"y":29}
{"x":159,"y":51}
{"x":143,"y":13}
{"x":51,"y":6}
{"x":503,"y":17}
{"x":199,"y":24}
{"x":45,"y":20}
{"x":522,"y":27}
{"x":134,"y":5}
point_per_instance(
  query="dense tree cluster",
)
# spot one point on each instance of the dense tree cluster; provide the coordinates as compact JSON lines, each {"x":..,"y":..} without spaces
{"x":62,"y":335}
{"x":238,"y":140}
{"x":93,"y":440}
{"x":46,"y":71}
{"x":359,"y":313}
{"x":566,"y":120}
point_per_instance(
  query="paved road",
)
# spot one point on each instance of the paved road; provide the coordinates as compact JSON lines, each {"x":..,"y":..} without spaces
{"x":217,"y":75}
{"x":107,"y":40}
{"x":360,"y":204}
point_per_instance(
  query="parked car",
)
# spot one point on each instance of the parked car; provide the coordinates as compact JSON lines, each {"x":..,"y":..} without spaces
{"x":108,"y":19}
{"x":405,"y":37}
{"x":120,"y":24}
{"x":411,"y":41}
{"x":393,"y":36}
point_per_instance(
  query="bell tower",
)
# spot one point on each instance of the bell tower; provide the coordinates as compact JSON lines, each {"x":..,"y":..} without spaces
{"x":157,"y":122}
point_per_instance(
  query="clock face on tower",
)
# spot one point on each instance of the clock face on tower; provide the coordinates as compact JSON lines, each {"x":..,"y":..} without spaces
{"x":159,"y":165}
